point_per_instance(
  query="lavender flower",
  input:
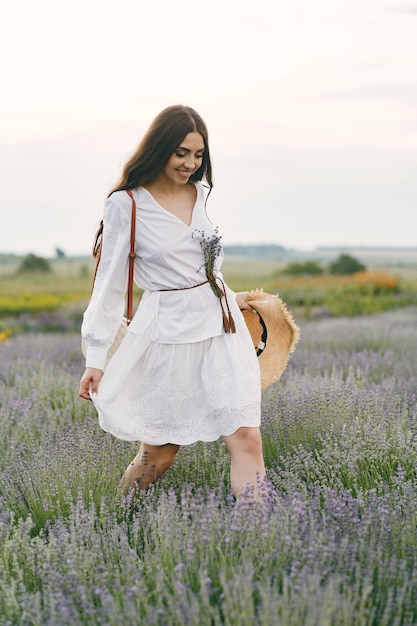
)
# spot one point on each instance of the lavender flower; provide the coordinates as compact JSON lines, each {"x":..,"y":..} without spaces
{"x":211,"y":248}
{"x":334,"y":540}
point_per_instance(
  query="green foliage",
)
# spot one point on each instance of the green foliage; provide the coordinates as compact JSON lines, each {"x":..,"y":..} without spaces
{"x":64,"y":292}
{"x":303,"y":268}
{"x":33,"y":263}
{"x":345,"y":265}
{"x":84,"y":272}
{"x":60,"y":254}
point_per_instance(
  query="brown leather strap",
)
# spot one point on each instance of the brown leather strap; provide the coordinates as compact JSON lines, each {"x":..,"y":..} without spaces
{"x":184,"y":288}
{"x":228,"y":321}
{"x":132,"y":257}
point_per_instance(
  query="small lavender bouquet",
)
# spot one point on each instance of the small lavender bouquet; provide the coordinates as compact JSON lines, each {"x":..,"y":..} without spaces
{"x":211,"y":248}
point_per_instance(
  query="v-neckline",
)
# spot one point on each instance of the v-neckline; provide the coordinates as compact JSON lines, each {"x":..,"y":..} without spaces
{"x":178,"y":219}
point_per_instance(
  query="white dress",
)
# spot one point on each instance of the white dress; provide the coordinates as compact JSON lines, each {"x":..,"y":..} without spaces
{"x":177,"y":376}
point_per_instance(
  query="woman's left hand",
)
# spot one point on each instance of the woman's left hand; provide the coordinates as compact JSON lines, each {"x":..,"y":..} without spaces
{"x":241,"y":300}
{"x":89,"y":382}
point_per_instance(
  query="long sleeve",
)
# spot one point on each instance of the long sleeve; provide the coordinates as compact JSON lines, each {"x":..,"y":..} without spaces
{"x":106,"y":308}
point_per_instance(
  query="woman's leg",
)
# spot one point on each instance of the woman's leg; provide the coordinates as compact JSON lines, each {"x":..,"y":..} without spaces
{"x":147,"y":466}
{"x":247,"y":463}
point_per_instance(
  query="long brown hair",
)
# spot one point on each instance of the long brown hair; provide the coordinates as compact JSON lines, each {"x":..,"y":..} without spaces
{"x":163,"y":137}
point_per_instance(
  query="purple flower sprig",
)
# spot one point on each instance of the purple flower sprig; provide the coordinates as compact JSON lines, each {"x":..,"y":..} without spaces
{"x":211,"y":248}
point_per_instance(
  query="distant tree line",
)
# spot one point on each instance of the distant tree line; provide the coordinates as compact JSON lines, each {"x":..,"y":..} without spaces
{"x":264,"y":251}
{"x":344,"y":265}
{"x":33,"y":263}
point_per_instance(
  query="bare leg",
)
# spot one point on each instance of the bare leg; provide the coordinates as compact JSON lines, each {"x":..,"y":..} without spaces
{"x":247,"y":463}
{"x":147,"y":466}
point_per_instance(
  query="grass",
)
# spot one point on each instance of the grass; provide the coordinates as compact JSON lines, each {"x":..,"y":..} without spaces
{"x":334,"y":542}
{"x":56,"y":301}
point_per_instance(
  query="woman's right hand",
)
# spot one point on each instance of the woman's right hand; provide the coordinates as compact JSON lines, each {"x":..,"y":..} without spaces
{"x":89,"y":382}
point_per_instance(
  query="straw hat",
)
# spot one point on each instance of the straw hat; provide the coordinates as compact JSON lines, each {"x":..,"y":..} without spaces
{"x":273,"y":331}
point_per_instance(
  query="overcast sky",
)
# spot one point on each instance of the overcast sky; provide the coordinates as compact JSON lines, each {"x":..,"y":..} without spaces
{"x":311,"y":110}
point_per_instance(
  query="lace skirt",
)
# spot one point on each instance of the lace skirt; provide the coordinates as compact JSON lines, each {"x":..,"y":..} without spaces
{"x":180,"y":393}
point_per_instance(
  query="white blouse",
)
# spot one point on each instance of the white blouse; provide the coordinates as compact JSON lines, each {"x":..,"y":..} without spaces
{"x":169,"y":256}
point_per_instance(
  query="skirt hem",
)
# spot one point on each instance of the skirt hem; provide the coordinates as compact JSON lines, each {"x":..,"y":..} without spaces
{"x":187,"y":442}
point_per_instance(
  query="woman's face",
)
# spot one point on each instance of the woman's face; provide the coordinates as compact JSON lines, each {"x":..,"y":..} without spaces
{"x":186,"y":159}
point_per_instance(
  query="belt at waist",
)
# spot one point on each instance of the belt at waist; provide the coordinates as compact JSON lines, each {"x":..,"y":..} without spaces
{"x":220,"y":291}
{"x":183,"y":288}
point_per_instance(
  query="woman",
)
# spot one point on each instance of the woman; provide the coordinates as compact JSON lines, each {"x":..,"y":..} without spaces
{"x":187,"y":369}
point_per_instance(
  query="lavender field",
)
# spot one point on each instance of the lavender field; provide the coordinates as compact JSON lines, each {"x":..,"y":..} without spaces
{"x":334,"y":541}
